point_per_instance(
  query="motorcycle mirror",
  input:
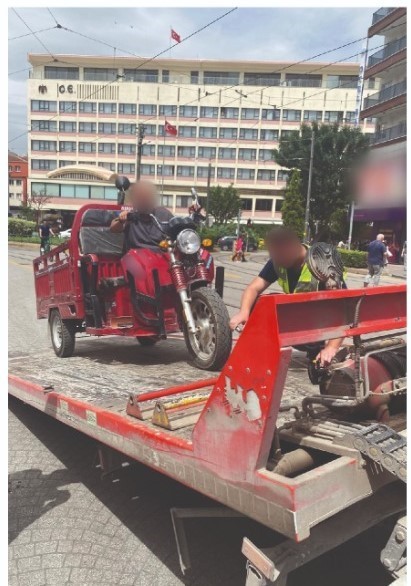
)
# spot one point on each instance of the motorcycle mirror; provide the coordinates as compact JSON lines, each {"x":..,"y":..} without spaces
{"x":122,"y":183}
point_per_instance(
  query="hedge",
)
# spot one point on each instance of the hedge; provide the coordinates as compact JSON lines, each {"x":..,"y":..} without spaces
{"x":34,"y":240}
{"x":19,"y":227}
{"x":353,"y":258}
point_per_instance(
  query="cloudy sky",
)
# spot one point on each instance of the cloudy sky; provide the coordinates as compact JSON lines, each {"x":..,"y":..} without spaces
{"x":270,"y":34}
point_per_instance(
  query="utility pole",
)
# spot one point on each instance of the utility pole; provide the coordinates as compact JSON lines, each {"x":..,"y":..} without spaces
{"x":307,"y":205}
{"x":140,"y":136}
{"x":208,"y":192}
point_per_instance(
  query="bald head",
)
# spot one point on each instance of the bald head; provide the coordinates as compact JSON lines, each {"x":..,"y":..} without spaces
{"x":143,"y":195}
{"x":380,"y":237}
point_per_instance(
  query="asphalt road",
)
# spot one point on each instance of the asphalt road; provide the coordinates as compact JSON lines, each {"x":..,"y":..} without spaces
{"x":70,"y":525}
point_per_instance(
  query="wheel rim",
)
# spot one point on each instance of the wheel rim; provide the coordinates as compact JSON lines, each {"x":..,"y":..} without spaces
{"x":56,"y":332}
{"x":204,"y":339}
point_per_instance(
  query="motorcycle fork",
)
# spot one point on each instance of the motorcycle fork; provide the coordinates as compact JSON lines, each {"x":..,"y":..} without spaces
{"x":180,"y":282}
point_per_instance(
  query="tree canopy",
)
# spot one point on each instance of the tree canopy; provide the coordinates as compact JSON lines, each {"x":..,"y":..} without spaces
{"x":293,"y":207}
{"x":337,"y":151}
{"x":224,"y":203}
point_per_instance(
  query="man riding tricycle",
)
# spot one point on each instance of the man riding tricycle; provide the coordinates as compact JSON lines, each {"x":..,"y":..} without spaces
{"x":133,"y":271}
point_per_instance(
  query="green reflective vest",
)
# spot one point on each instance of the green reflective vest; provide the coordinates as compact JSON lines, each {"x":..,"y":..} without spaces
{"x":306,"y":282}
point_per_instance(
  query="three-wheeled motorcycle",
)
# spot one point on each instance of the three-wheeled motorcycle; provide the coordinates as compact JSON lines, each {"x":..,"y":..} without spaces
{"x":88,"y":284}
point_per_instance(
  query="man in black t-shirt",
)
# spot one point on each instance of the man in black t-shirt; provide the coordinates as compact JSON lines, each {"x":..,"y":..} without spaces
{"x":45,"y":232}
{"x":287,"y":266}
{"x":145,"y":232}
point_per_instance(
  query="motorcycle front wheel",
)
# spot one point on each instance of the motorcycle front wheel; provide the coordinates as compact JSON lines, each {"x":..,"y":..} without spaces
{"x":210,"y":345}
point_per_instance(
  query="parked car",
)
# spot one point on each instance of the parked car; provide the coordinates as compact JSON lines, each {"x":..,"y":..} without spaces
{"x":65,"y":234}
{"x":227,"y":243}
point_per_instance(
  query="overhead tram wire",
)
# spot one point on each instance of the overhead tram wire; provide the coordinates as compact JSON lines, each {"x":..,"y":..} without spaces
{"x":58,"y":25}
{"x":43,"y":30}
{"x":33,"y":33}
{"x":138,"y":67}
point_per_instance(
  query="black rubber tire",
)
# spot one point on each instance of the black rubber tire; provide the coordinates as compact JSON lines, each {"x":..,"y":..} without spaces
{"x":147,"y":341}
{"x":225,"y":248}
{"x":222,"y":332}
{"x":65,"y":348}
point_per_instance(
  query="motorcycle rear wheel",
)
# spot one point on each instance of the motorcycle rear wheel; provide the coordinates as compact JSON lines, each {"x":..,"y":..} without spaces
{"x":210,"y":346}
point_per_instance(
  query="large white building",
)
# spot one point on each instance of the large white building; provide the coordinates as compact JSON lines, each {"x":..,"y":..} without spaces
{"x":84,"y":113}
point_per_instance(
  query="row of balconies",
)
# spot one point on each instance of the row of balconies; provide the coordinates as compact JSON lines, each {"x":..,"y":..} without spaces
{"x":384,"y":135}
{"x":390,"y":49}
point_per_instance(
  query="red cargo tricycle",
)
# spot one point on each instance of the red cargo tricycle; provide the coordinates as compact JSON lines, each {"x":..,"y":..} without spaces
{"x":88,"y":284}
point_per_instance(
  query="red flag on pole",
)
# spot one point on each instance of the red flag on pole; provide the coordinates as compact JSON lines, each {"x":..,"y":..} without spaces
{"x":175,"y":36}
{"x":170,"y":129}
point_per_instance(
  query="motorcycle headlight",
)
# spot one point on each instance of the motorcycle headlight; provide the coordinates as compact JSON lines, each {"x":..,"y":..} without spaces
{"x":188,"y":242}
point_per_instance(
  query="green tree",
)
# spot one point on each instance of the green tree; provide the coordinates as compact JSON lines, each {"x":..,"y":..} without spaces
{"x":224,"y":203}
{"x":337,"y":151}
{"x":293,"y":207}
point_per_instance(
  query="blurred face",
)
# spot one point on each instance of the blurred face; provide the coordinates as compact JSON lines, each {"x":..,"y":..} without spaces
{"x":144,"y":196}
{"x":285,"y":252}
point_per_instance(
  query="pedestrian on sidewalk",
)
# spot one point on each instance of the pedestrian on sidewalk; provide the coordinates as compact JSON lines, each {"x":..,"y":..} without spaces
{"x":238,"y":249}
{"x":377,"y":256}
{"x":404,"y":257}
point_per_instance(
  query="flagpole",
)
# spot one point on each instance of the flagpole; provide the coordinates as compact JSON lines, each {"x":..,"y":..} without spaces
{"x":162,"y":166}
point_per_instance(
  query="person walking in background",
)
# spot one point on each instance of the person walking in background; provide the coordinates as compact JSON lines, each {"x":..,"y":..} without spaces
{"x":404,"y":257}
{"x":238,"y":249}
{"x":377,"y":255}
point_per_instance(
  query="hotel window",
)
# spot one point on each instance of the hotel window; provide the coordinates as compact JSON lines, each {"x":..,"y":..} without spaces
{"x":110,"y":193}
{"x":225,"y":173}
{"x":206,"y":152}
{"x":126,"y":149}
{"x":203,"y":172}
{"x":229,"y":113}
{"x":88,"y":107}
{"x":165,"y":170}
{"x":194,"y":77}
{"x":250,"y":113}
{"x":129,"y":109}
{"x":266,"y":79}
{"x":227,"y":132}
{"x":61,"y":72}
{"x":303,"y":80}
{"x":263,"y":205}
{"x":279,"y":205}
{"x":292,"y":115}
{"x":18,"y":181}
{"x":208,"y":112}
{"x":87,"y":127}
{"x":271,"y":114}
{"x":343,"y":81}
{"x":226,"y":153}
{"x":166,"y":150}
{"x":96,"y":192}
{"x":248,"y":133}
{"x":165,"y":76}
{"x":313,"y":115}
{"x":141,"y":75}
{"x":87,"y":147}
{"x":99,"y":74}
{"x":371,"y":83}
{"x":333,"y":116}
{"x":183,"y":201}
{"x":167,"y":201}
{"x":168,"y":110}
{"x":265,"y":155}
{"x":289,"y":133}
{"x":208,"y":132}
{"x":109,"y":166}
{"x":221,"y":78}
{"x":107,"y":108}
{"x":282,"y":175}
{"x":68,"y":127}
{"x":148,"y":150}
{"x":43,"y":106}
{"x":66,"y":163}
{"x":127,"y":168}
{"x":67,"y":146}
{"x":43,"y":164}
{"x":186,"y":151}
{"x":44,"y":125}
{"x":187,"y":131}
{"x":106,"y":128}
{"x":246,"y":174}
{"x":17,"y":168}
{"x":148,"y":169}
{"x":147,"y":109}
{"x":126,"y":128}
{"x":246,"y":204}
{"x":107,"y":147}
{"x":188,"y":111}
{"x":70,"y":107}
{"x":150,"y":129}
{"x":265,"y":175}
{"x":43,"y":145}
{"x":266,"y":134}
{"x":185,"y":171}
{"x":350,"y":117}
{"x":247,"y":154}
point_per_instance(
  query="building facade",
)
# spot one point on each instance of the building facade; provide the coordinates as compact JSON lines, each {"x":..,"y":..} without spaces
{"x":84,"y":115}
{"x":18,"y":174}
{"x":382,"y":193}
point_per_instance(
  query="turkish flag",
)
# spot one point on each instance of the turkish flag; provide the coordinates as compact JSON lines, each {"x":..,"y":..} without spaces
{"x":175,"y":36}
{"x":170,"y":129}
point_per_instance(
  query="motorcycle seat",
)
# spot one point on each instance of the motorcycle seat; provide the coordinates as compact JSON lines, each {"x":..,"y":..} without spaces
{"x":95,"y":236}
